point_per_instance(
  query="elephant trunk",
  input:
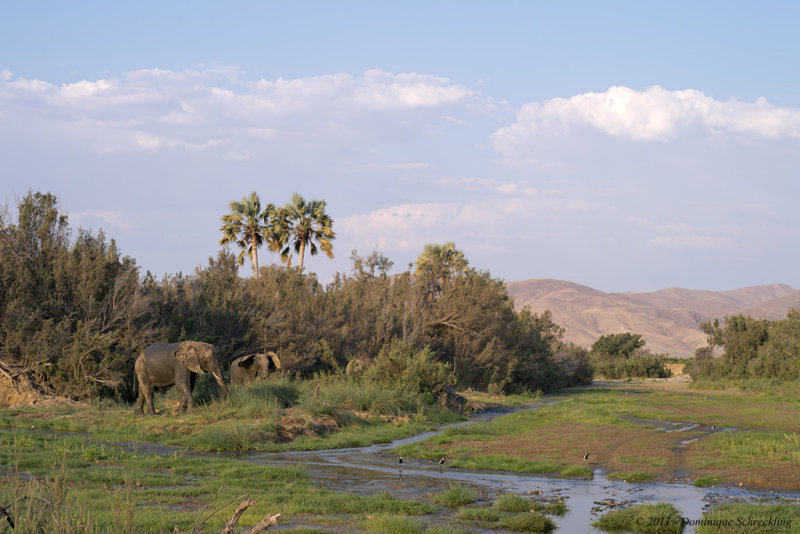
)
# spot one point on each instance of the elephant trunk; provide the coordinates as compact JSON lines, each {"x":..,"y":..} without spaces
{"x":220,"y":382}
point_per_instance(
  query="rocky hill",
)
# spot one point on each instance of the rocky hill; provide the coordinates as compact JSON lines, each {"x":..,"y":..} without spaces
{"x":668,"y":319}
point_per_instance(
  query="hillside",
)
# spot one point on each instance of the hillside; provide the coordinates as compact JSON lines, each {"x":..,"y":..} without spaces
{"x":668,"y":319}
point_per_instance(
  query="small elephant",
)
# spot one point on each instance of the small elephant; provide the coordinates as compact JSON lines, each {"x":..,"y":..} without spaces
{"x":165,"y":364}
{"x":248,"y":368}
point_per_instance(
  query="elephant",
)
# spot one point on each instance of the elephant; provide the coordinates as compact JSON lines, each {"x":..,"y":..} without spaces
{"x":248,"y":368}
{"x":357,"y":366}
{"x":166,"y":364}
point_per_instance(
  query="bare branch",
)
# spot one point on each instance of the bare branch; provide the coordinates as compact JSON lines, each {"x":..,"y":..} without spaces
{"x":265,"y":523}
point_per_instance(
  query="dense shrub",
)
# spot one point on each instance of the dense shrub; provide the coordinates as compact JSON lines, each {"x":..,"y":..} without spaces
{"x":75,"y":313}
{"x":72,"y":312}
{"x":743,"y":348}
{"x":623,"y":356}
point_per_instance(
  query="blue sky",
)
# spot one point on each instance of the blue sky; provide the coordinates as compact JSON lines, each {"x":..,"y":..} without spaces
{"x":628,"y":146}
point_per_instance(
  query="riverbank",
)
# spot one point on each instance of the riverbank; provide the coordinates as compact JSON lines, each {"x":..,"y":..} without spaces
{"x":95,"y":464}
{"x":662,"y":431}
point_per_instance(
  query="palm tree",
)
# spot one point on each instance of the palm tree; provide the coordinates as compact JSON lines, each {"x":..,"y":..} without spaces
{"x":305,"y":222}
{"x":440,"y":262}
{"x":248,"y":226}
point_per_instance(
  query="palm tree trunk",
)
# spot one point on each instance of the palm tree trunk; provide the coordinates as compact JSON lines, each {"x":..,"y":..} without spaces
{"x":300,"y":254}
{"x":254,"y":259}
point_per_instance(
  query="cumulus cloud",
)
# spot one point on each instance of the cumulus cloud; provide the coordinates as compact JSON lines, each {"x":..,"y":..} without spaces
{"x":655,"y":114}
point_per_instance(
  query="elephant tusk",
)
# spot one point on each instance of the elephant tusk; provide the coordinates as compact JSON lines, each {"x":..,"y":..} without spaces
{"x":217,"y":376}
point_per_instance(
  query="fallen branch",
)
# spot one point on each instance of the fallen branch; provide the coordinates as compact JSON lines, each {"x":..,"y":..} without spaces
{"x":265,"y":523}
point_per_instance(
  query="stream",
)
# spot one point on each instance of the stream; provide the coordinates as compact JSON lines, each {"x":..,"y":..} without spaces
{"x":375,"y":469}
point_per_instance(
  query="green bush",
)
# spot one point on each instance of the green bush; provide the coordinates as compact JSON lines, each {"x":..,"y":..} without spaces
{"x":751,"y":350}
{"x":642,"y":363}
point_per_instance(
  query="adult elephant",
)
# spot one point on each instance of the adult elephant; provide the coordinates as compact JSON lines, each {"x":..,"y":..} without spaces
{"x":165,"y":364}
{"x":248,"y":368}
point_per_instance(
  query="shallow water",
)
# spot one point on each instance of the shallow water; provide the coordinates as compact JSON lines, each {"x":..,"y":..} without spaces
{"x":375,"y":469}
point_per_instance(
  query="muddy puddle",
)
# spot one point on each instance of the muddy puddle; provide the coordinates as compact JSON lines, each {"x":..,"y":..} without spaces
{"x":375,"y":469}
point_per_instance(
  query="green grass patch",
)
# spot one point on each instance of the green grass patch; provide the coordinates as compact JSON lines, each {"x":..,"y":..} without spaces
{"x":706,"y":482}
{"x":399,"y":524}
{"x":488,"y":515}
{"x":511,"y":502}
{"x":456,"y":496}
{"x":647,"y":518}
{"x":751,"y":518}
{"x":101,"y":485}
{"x":582,"y":471}
{"x":528,"y":522}
{"x":631,"y":477}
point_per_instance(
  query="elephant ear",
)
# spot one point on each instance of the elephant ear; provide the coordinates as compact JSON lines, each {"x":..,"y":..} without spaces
{"x":188,"y":354}
{"x":246,"y":361}
{"x":275,"y":360}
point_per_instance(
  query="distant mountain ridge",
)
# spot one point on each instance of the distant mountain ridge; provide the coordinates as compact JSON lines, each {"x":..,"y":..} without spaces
{"x":668,"y":319}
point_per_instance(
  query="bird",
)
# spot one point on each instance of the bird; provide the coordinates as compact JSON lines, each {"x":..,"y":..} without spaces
{"x":400,"y":460}
{"x":441,"y":461}
{"x":713,"y":427}
{"x":586,"y":457}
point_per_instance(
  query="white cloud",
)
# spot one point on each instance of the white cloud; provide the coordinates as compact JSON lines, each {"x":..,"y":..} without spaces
{"x":498,"y":219}
{"x":198,"y":109}
{"x":655,"y":114}
{"x":691,"y":241}
{"x":507,"y":189}
{"x":112,"y":218}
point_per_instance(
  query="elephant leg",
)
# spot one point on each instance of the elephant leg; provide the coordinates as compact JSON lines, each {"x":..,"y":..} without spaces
{"x":139,"y":404}
{"x":145,"y":390}
{"x":148,"y":397}
{"x":187,"y":400}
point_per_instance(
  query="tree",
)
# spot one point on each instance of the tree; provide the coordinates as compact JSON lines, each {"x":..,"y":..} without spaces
{"x":618,"y":345}
{"x":437,"y":263}
{"x":249,"y":227}
{"x":304,"y":222}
